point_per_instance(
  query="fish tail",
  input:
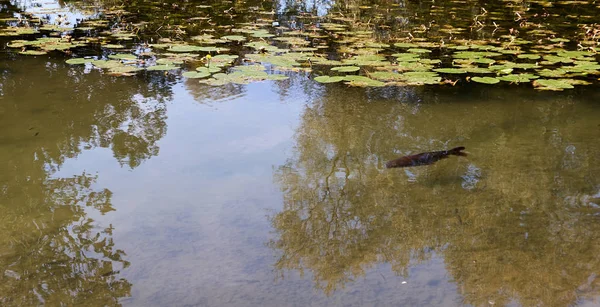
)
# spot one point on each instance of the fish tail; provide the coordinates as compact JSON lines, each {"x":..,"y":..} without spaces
{"x":457,"y":151}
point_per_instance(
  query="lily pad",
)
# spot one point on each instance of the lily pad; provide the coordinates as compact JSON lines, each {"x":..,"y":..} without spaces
{"x":486,"y":80}
{"x":551,"y":84}
{"x":235,"y":38}
{"x":162,"y":67}
{"x":528,"y":56}
{"x":419,"y":50}
{"x":422,"y":77}
{"x":451,"y":70}
{"x":328,"y":79}
{"x":406,"y":45}
{"x":184,"y":48}
{"x":33,"y":52}
{"x":387,"y":76}
{"x":78,"y":61}
{"x":210,"y":70}
{"x":552,"y":73}
{"x":362,"y":81}
{"x":521,"y":78}
{"x":346,"y":68}
{"x":195,"y":74}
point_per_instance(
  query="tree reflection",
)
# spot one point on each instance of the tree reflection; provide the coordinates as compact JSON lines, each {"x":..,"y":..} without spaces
{"x":514,"y":221}
{"x":51,"y":252}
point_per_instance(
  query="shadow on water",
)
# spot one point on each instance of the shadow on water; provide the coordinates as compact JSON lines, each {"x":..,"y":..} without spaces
{"x":516,"y":221}
{"x":51,"y":251}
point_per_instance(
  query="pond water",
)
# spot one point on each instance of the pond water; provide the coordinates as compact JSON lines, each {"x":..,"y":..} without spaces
{"x":157,"y":190}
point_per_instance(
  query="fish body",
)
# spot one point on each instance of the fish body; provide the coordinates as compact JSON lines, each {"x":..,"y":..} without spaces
{"x":425,"y":158}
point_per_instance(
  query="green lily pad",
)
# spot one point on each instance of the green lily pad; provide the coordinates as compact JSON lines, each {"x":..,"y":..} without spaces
{"x":113,"y":46}
{"x":17,"y":44}
{"x":362,"y":81}
{"x":406,"y":45}
{"x":124,"y":70}
{"x":235,"y":38}
{"x":557,"y":59}
{"x":169,"y":61}
{"x":17,"y":31}
{"x":33,"y":52}
{"x":478,"y":70}
{"x":451,"y":70}
{"x":576,"y":82}
{"x":421,"y":77}
{"x":106,"y":64}
{"x":210,"y":70}
{"x":552,"y":73}
{"x":78,"y":61}
{"x":406,"y":57}
{"x":346,"y":68}
{"x":551,"y":84}
{"x":484,"y":61}
{"x":328,"y":79}
{"x":521,"y":78}
{"x":162,"y":67}
{"x":419,"y":50}
{"x":474,"y":54}
{"x":574,"y":54}
{"x":184,"y":48}
{"x":430,"y":61}
{"x":486,"y":80}
{"x":413,"y":66}
{"x":262,"y":34}
{"x":387,"y":76}
{"x":528,"y":56}
{"x":195,"y":74}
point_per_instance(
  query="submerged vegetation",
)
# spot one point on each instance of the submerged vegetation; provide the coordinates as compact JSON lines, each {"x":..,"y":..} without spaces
{"x":371,"y":44}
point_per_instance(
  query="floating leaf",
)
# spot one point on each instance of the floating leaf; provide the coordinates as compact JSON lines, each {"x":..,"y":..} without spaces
{"x":113,"y":46}
{"x":486,"y":80}
{"x":184,"y":48}
{"x":106,"y":63}
{"x":210,"y":70}
{"x":478,"y":70}
{"x":550,"y":84}
{"x":528,"y":56}
{"x":430,"y":61}
{"x":195,"y":74}
{"x":419,"y":50}
{"x":33,"y":52}
{"x":387,"y":76}
{"x":451,"y":70}
{"x":235,"y":38}
{"x":346,"y":68}
{"x":422,"y":77}
{"x":328,"y":79}
{"x":521,"y":78}
{"x":474,"y":54}
{"x":162,"y":67}
{"x":406,"y":45}
{"x":552,"y":73}
{"x":362,"y":81}
{"x":78,"y":61}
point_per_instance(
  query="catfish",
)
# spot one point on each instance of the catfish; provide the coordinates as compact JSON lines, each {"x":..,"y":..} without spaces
{"x":425,"y":158}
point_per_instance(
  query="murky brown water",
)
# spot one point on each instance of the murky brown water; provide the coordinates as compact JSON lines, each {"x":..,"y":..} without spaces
{"x":154,"y":191}
{"x":117,"y":191}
